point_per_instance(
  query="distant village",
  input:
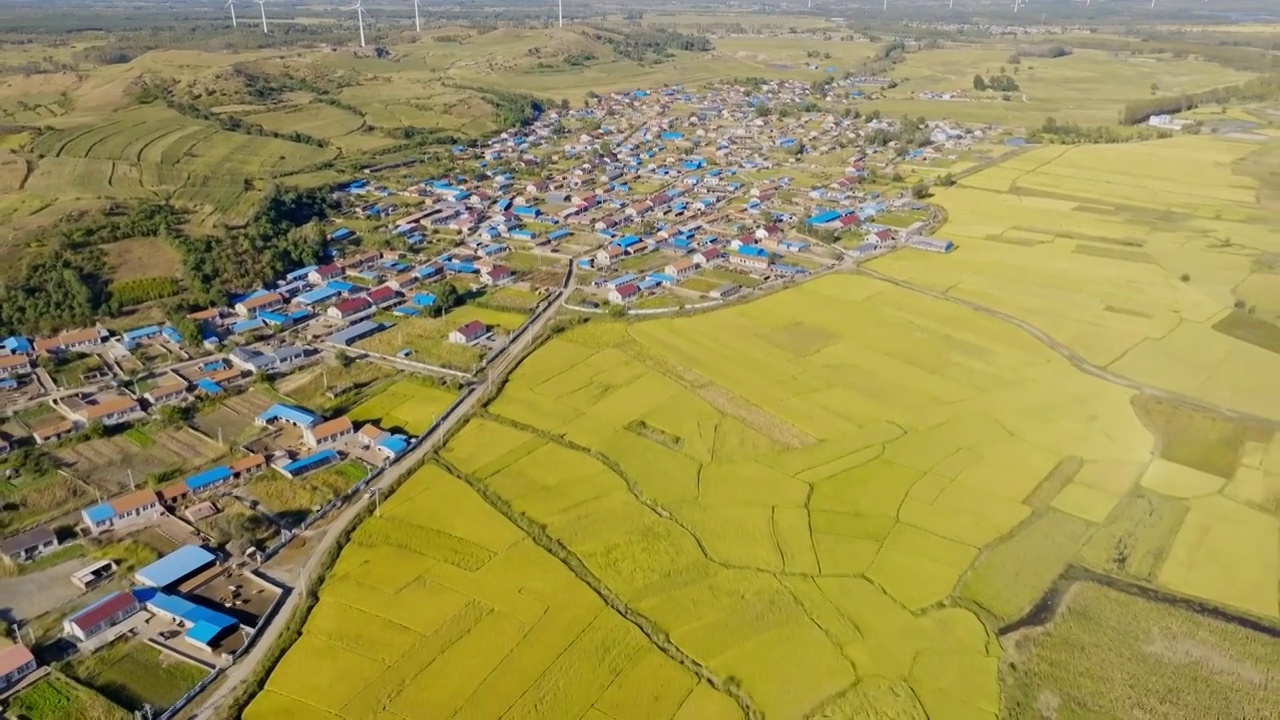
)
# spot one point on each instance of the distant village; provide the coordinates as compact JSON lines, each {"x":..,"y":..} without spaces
{"x":642,"y":202}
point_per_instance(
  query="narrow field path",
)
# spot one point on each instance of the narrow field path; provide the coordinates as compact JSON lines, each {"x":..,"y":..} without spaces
{"x":1072,"y":357}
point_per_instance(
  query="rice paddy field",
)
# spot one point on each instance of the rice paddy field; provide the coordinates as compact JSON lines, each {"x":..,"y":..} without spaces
{"x":837,"y":496}
{"x":1124,"y":256}
{"x":409,"y":405}
{"x":441,"y":608}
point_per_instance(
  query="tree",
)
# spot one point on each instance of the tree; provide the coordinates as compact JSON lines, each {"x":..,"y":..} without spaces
{"x":947,"y":180}
{"x":920,"y":191}
{"x":762,"y":110}
{"x":447,"y":297}
{"x":979,"y":83}
{"x":1186,"y":277}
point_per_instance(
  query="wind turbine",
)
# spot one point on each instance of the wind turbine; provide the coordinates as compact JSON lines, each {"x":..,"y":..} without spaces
{"x":359,"y":8}
{"x":560,"y":7}
{"x":263,"y":7}
{"x":231,"y":5}
{"x":417,"y":23}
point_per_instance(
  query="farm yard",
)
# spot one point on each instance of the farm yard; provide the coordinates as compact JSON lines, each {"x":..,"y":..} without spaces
{"x":1112,"y":252}
{"x":440,"y":607}
{"x":150,"y":453}
{"x":426,"y":338}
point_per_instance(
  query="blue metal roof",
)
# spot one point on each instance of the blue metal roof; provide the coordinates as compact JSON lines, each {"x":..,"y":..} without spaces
{"x":557,"y":234}
{"x":320,"y":294}
{"x":175,"y":566}
{"x":142,"y":332}
{"x":297,"y":416}
{"x":245,"y":326}
{"x":300,"y":272}
{"x":208,"y":386}
{"x":99,"y":513}
{"x":17,"y":345}
{"x":212,"y":476}
{"x":206,"y":624}
{"x":340,"y":286}
{"x":424,"y":299}
{"x":395,"y":445}
{"x":324,"y":457}
{"x":274,"y":318}
{"x":355,"y":332}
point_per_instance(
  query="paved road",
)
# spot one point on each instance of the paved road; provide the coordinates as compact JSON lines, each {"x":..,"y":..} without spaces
{"x":1079,"y":362}
{"x":497,"y":371}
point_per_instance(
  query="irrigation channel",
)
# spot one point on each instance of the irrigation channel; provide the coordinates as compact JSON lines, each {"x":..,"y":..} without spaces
{"x":1047,"y":607}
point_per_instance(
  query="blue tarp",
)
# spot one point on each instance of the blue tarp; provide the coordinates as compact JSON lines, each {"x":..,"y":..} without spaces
{"x":175,"y":566}
{"x":208,"y":386}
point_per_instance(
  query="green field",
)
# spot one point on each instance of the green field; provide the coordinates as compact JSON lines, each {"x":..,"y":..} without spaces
{"x":59,"y":698}
{"x":1082,"y":664}
{"x":134,"y":674}
{"x":1087,"y":87}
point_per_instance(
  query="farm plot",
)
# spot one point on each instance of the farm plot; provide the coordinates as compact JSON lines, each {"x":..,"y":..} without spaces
{"x":27,"y":500}
{"x":316,"y":119}
{"x":134,"y":674}
{"x":106,"y":463}
{"x":442,"y":608}
{"x":57,"y":697}
{"x":1110,"y":654}
{"x":1092,"y":211}
{"x":409,"y":405}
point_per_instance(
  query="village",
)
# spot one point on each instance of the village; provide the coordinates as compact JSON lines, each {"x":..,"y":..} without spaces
{"x":640,"y":203}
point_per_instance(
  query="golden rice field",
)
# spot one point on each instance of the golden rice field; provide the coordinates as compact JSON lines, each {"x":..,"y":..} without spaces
{"x":834,"y":496}
{"x":1131,"y":255}
{"x":441,"y":608}
{"x":410,"y":405}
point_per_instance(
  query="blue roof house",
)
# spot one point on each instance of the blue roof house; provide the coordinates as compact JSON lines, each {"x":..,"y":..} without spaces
{"x":176,"y":566}
{"x":288,"y":413}
{"x":208,"y":479}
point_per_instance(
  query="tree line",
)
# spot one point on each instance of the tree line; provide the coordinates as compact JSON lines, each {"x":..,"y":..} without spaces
{"x":1257,"y":89}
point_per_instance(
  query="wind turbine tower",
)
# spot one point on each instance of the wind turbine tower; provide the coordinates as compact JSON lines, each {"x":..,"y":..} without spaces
{"x":417,"y":23}
{"x":560,"y":9}
{"x":359,"y":8}
{"x":263,"y":8}
{"x":231,"y":5}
